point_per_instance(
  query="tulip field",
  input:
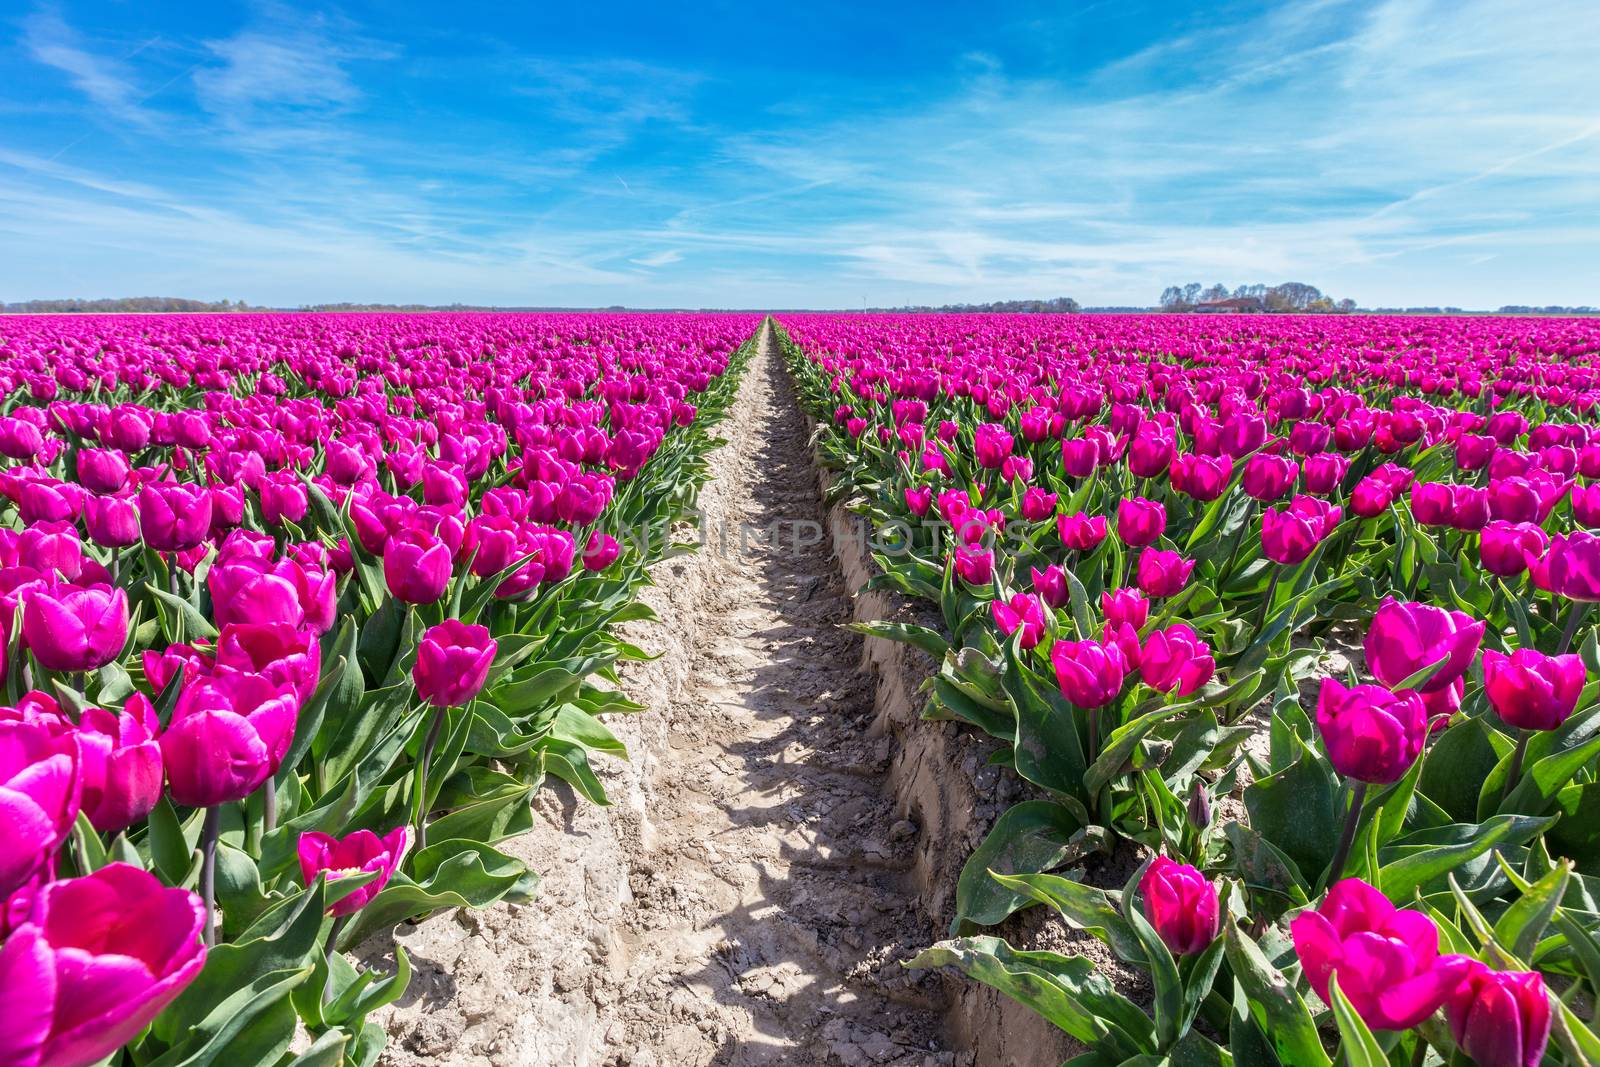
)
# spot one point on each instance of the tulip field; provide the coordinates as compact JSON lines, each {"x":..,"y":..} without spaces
{"x":1293,"y":610}
{"x":1290,"y":613}
{"x":299,"y":612}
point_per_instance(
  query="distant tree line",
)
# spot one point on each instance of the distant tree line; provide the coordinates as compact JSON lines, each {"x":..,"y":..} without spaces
{"x":150,"y":304}
{"x":1289,"y":296}
{"x":1552,"y":309}
{"x":1061,"y":305}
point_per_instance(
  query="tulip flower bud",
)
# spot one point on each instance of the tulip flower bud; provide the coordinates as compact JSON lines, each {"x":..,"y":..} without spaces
{"x":974,"y":565}
{"x":173,"y":516}
{"x":1181,"y":905}
{"x":1501,"y":1018}
{"x":1199,"y":808}
{"x":1503,"y":547}
{"x":452,"y":663}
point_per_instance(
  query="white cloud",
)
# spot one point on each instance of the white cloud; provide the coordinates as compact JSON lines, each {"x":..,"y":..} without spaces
{"x":55,"y":44}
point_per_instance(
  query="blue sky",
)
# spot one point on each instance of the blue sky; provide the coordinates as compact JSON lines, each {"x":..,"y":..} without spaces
{"x":1399,"y":152}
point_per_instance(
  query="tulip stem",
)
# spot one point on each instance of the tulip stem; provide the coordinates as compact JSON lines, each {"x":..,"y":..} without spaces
{"x":1580,"y":608}
{"x":208,"y":870}
{"x":1358,"y":797}
{"x":421,"y":802}
{"x":1266,"y":601}
{"x":1517,"y":758}
{"x":269,"y":806}
{"x":333,"y":950}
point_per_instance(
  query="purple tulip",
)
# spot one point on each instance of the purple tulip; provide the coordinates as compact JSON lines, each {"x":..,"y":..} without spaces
{"x":1089,"y":673}
{"x":974,"y":564}
{"x":452,"y":663}
{"x":1573,"y":563}
{"x":247,"y":590}
{"x":1267,"y":477}
{"x":1405,"y":637}
{"x":227,"y":736}
{"x":600,"y":552}
{"x":1500,"y":1018}
{"x":1182,"y":906}
{"x":1050,"y":585}
{"x":75,"y":629}
{"x":1530,"y":690}
{"x":359,"y":853}
{"x":1504,"y":547}
{"x":1387,"y":960}
{"x":1371,"y":733}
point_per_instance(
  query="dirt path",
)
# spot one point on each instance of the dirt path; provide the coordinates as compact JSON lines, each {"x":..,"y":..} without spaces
{"x":744,"y":899}
{"x":770,"y":913}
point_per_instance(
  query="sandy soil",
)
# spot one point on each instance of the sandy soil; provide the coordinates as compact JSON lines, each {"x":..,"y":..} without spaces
{"x":748,"y":897}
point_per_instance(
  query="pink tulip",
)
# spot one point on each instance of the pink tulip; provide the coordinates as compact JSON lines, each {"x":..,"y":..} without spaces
{"x":452,"y":663}
{"x":1089,"y":673}
{"x":974,"y":564}
{"x":1267,"y":477}
{"x":276,"y":651}
{"x":1176,"y":660}
{"x":1403,"y":638}
{"x":600,"y":552}
{"x":99,"y":958}
{"x":1530,"y":690}
{"x":227,"y":736}
{"x":1051,"y":585}
{"x":1504,"y":547}
{"x":1573,"y":562}
{"x":121,"y":764}
{"x":1182,"y":906}
{"x":75,"y":629}
{"x":1500,"y":1018}
{"x":416,"y":566}
{"x":1387,"y":960}
{"x":1081,"y":532}
{"x":1371,"y":734}
{"x":1125,"y":606}
{"x":1023,"y":612}
{"x":174,"y":516}
{"x":1163,"y":573}
{"x":1140,"y":522}
{"x":359,"y":853}
{"x":40,"y":794}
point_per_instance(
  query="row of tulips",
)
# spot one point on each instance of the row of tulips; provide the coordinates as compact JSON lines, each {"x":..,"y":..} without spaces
{"x":1149,"y":540}
{"x":298,"y":613}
